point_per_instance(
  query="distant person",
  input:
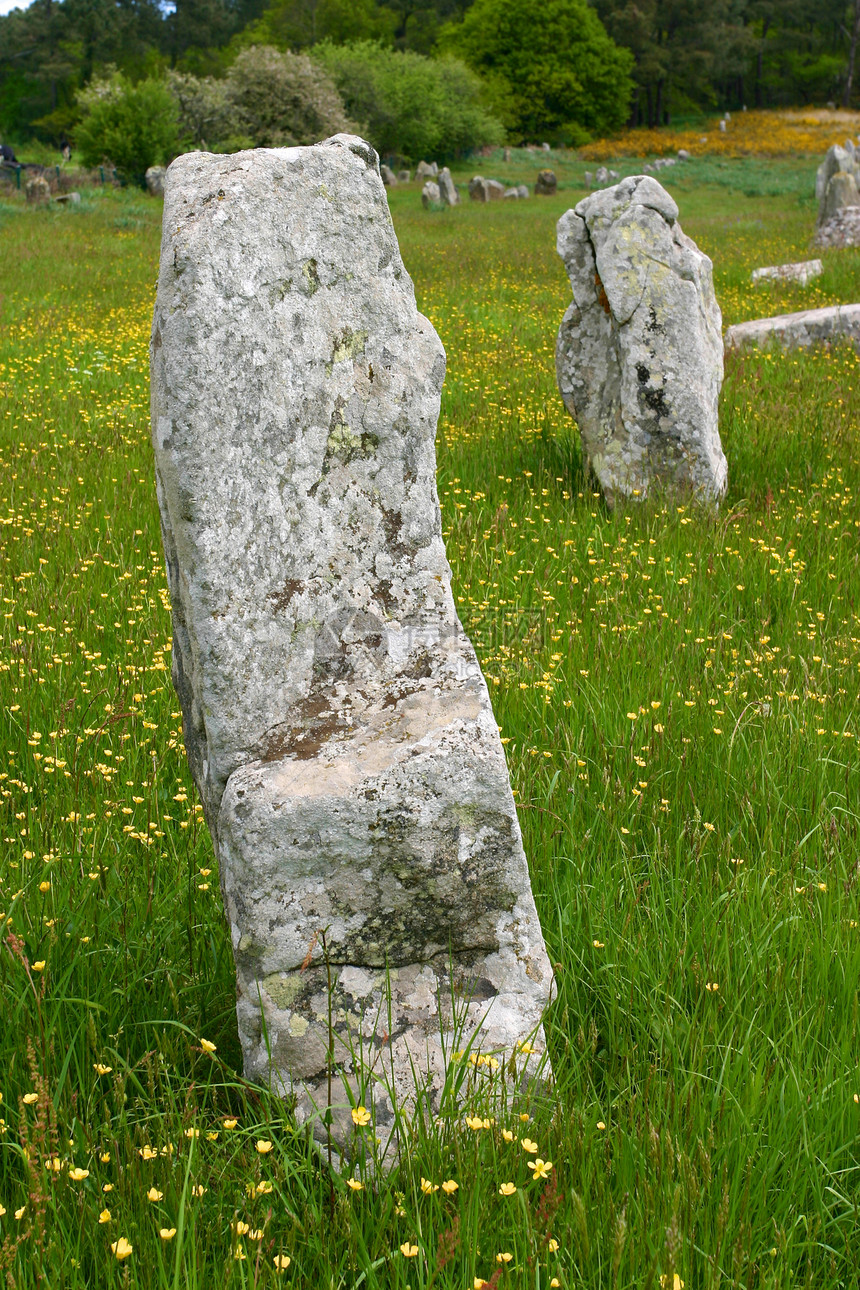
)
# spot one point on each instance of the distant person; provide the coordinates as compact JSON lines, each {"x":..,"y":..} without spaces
{"x":7,"y":155}
{"x":66,"y":149}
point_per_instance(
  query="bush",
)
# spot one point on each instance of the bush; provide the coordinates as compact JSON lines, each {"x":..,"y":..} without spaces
{"x":132,"y":127}
{"x":282,"y":99}
{"x":551,"y":70}
{"x":203,"y":108}
{"x":410,"y":105}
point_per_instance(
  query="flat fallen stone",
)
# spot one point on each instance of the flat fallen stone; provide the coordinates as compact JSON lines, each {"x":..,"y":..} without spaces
{"x":803,"y":271}
{"x":807,"y":327}
{"x":337,"y":723}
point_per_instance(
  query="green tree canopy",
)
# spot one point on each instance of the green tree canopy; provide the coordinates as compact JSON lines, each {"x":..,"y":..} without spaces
{"x":409,"y":105}
{"x":132,"y":126}
{"x":551,"y":69}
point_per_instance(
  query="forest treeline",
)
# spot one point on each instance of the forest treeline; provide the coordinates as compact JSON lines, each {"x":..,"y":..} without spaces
{"x":416,"y":75}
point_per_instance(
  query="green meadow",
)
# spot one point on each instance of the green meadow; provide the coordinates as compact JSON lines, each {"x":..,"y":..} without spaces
{"x":677,"y":691}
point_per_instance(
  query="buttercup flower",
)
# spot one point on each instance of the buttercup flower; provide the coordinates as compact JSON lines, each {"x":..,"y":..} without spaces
{"x":104,"y":1216}
{"x":282,"y":1262}
{"x":121,"y":1248}
{"x":153,"y":1194}
{"x":450,"y":1187}
{"x":541,"y":1167}
{"x":354,"y":1184}
{"x":529,"y":1146}
{"x":264,"y":1146}
{"x":507,"y":1189}
{"x":360,"y":1116}
{"x":408,"y":1251}
{"x":167,"y":1233}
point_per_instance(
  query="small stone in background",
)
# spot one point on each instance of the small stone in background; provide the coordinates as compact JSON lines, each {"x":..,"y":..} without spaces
{"x":430,"y":195}
{"x":506,"y":155}
{"x":802,"y":271}
{"x":155,"y":181}
{"x":37,"y":191}
{"x":71,"y":199}
{"x":495,"y":190}
{"x":388,"y":176}
{"x":523,"y":190}
{"x":447,"y":188}
{"x":546,"y":184}
{"x":545,"y":147}
{"x":426,"y":170}
{"x":404,"y":176}
{"x":684,"y":155}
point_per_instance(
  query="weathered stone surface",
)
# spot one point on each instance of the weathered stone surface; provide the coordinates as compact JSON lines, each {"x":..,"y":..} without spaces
{"x":426,"y":170}
{"x":546,"y":184}
{"x":841,"y":192}
{"x":336,"y":720}
{"x":388,"y":176}
{"x":37,"y":191}
{"x":803,"y":271}
{"x":838,"y":160}
{"x":808,"y":327}
{"x":485,"y":190}
{"x":430,"y":195}
{"x":154,"y":178}
{"x":639,"y":356}
{"x":842,"y":230}
{"x":447,"y":188}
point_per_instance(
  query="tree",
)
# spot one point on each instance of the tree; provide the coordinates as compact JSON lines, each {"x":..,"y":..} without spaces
{"x":131,"y":126}
{"x":282,"y":99}
{"x":409,"y":105}
{"x":551,"y":70}
{"x":299,"y":24}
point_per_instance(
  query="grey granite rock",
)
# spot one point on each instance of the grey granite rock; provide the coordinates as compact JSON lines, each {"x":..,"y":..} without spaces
{"x":430,"y":195}
{"x":154,"y":179}
{"x":803,"y":271}
{"x":336,"y":720}
{"x":388,"y":176}
{"x":808,"y":327}
{"x":426,"y":170}
{"x":447,"y":188}
{"x":639,"y":356}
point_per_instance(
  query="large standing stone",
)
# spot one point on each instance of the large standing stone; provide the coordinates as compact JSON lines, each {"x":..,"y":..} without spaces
{"x":336,"y":720}
{"x":447,"y":188}
{"x":639,"y":355}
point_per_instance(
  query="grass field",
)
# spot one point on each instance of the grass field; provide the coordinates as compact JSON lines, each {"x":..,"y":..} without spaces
{"x":678,"y":695}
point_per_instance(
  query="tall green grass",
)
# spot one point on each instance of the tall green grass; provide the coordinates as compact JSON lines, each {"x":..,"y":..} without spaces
{"x":678,"y":695}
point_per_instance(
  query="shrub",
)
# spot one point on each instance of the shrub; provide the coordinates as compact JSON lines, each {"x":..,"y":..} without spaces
{"x":551,"y":70}
{"x":203,"y":108}
{"x":282,"y":99}
{"x":131,"y":126}
{"x":410,"y":105}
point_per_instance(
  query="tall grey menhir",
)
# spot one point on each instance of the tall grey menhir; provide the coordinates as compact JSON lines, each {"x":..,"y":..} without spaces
{"x":336,"y":720}
{"x":639,"y":355}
